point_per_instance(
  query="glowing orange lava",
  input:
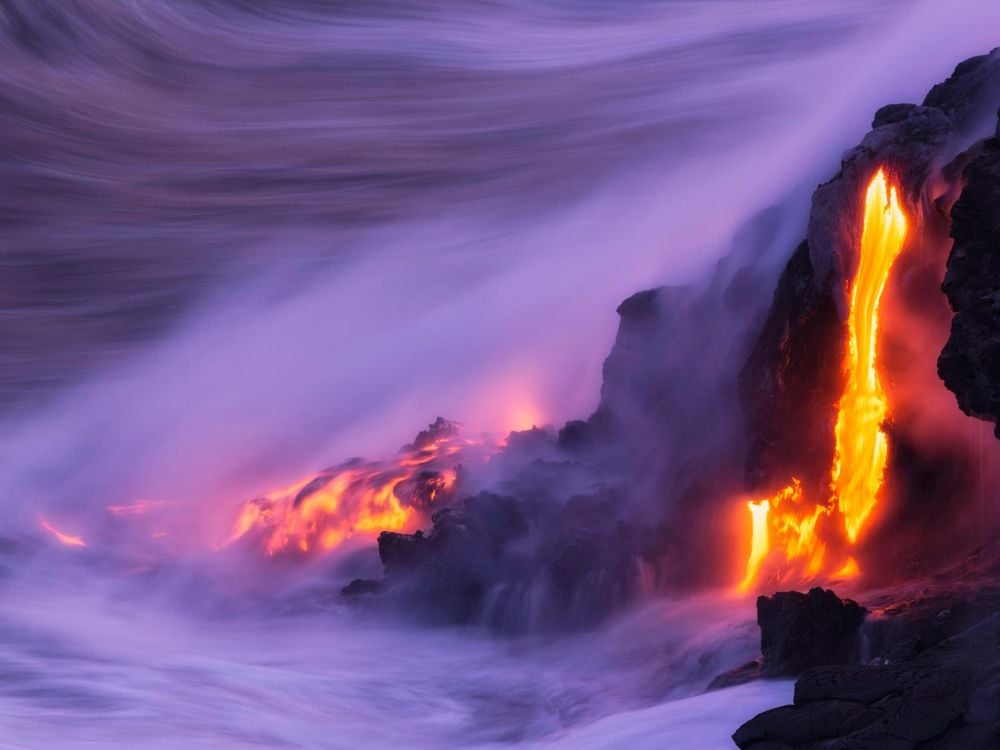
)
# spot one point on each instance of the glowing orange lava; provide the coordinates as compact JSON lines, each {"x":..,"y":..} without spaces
{"x":784,"y":534}
{"x":68,"y":539}
{"x":361,"y":498}
{"x":784,"y":522}
{"x":862,"y":445}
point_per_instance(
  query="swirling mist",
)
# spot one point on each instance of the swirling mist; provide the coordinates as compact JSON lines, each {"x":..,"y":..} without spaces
{"x":240,"y":240}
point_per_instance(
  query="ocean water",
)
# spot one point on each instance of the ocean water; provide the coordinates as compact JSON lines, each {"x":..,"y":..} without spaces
{"x":87,"y":669}
{"x":241,"y":240}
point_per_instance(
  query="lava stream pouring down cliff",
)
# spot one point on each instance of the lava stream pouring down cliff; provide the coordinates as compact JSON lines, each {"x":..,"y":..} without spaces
{"x":790,"y":535}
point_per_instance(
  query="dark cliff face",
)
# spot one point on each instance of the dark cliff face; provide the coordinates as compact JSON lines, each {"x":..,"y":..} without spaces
{"x":930,"y":677}
{"x":931,"y":674}
{"x":669,"y":446}
{"x":971,"y":93}
{"x":669,"y":415}
{"x":970,"y":362}
{"x":668,"y":391}
{"x":634,"y":491}
{"x":790,"y":383}
{"x":791,"y":377}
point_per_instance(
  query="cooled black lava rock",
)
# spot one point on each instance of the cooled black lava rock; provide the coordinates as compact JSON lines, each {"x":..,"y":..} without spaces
{"x":891,"y":113}
{"x":971,"y":92}
{"x":947,"y":697}
{"x":402,"y":552}
{"x":485,"y":557}
{"x":792,"y":376}
{"x":446,"y":574}
{"x":669,"y":420}
{"x":931,"y":681}
{"x":969,"y":364}
{"x":799,"y":631}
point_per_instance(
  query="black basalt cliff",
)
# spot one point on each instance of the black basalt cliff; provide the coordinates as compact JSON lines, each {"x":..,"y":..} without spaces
{"x":970,"y":362}
{"x":793,"y":373}
{"x":926,"y":672}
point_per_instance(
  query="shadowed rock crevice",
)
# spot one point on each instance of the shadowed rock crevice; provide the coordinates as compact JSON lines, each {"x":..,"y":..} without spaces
{"x":970,"y":361}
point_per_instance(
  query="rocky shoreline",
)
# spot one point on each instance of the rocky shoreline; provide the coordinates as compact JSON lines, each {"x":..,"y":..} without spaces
{"x":921,"y":673}
{"x":915,"y":664}
{"x":920,"y":668}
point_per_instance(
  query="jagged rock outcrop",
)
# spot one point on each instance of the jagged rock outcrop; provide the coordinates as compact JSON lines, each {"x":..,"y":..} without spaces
{"x":799,"y":631}
{"x":969,"y":364}
{"x":931,"y":671}
{"x":971,"y":93}
{"x":560,"y":541}
{"x":945,"y":697}
{"x":668,"y":419}
{"x":514,"y":564}
{"x":781,"y":387}
{"x":930,"y":677}
{"x":792,"y":376}
{"x":970,"y":361}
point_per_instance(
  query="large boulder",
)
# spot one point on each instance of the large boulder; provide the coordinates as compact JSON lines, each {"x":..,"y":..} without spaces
{"x":799,"y":631}
{"x":930,"y":681}
{"x":947,"y":697}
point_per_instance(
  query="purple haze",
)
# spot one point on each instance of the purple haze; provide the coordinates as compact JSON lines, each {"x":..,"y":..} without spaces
{"x":244,"y":239}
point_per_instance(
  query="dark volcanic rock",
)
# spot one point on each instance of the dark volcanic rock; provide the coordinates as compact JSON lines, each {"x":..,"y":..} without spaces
{"x":484,"y":557}
{"x":402,"y":552}
{"x":789,"y":725}
{"x":932,"y":680}
{"x":799,"y":631}
{"x":969,"y":364}
{"x":891,"y":113}
{"x":971,"y":92}
{"x":791,"y":377}
{"x":932,"y":677}
{"x":944,"y":698}
{"x":669,"y":419}
{"x":449,"y":571}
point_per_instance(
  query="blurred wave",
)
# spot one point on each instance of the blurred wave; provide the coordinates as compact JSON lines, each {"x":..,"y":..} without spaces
{"x":154,"y":151}
{"x":121,"y":675}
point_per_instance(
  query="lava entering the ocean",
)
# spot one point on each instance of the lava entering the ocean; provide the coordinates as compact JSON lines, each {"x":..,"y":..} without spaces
{"x":363,"y":498}
{"x":784,"y":527}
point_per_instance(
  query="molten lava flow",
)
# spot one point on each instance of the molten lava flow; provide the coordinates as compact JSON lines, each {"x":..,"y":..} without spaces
{"x":784,"y":522}
{"x":68,"y":539}
{"x":760,"y":541}
{"x":785,"y":537}
{"x":361,"y":498}
{"x":862,"y":445}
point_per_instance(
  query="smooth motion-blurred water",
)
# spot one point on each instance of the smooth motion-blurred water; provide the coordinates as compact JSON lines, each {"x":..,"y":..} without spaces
{"x":240,"y":239}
